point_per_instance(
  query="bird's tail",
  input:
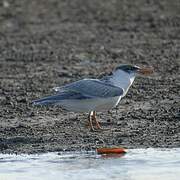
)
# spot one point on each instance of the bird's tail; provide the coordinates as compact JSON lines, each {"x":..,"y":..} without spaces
{"x":55,"y":99}
{"x":50,"y":100}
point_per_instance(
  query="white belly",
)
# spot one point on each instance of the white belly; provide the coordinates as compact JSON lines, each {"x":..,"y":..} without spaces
{"x":87,"y":105}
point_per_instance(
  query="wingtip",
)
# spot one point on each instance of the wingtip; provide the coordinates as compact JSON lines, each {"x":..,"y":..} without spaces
{"x":41,"y":102}
{"x":37,"y":102}
{"x":34,"y":103}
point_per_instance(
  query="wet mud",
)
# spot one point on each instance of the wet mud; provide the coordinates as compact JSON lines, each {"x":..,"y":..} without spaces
{"x":44,"y":44}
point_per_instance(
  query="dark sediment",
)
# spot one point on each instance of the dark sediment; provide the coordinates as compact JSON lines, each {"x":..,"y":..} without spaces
{"x":44,"y":44}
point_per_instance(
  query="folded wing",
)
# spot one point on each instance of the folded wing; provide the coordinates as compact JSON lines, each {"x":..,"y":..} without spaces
{"x":83,"y":89}
{"x":92,"y":87}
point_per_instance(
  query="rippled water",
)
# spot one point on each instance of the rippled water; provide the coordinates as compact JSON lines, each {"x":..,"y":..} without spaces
{"x":137,"y":164}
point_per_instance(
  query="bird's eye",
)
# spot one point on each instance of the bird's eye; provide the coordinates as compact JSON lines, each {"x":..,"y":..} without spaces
{"x":130,"y":68}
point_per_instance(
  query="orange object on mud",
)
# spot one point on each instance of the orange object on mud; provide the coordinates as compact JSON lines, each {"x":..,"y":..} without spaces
{"x":111,"y":150}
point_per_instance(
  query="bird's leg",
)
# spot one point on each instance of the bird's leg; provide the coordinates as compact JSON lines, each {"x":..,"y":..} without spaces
{"x":95,"y":120}
{"x":90,"y":121}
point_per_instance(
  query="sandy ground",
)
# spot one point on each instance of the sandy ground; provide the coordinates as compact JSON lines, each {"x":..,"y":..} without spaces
{"x":44,"y":44}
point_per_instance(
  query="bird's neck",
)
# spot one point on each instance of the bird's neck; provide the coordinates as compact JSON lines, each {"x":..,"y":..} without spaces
{"x":122,"y":79}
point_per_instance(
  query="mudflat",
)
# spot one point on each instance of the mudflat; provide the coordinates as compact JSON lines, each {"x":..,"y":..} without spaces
{"x":44,"y":44}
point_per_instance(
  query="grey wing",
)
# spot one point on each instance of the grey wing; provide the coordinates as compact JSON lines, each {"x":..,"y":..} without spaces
{"x":92,"y":88}
{"x":55,"y":99}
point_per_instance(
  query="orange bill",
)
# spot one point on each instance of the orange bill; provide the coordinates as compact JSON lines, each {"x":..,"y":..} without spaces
{"x":146,"y":70}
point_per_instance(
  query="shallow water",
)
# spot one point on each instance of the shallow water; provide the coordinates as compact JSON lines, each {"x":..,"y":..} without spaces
{"x":137,"y":164}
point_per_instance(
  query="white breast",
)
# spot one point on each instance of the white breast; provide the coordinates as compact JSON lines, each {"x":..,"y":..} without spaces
{"x":122,"y":79}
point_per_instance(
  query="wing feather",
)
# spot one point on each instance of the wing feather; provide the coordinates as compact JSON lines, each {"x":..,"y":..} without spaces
{"x":92,"y":87}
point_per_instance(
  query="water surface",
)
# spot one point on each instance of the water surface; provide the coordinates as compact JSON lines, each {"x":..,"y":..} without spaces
{"x":137,"y":164}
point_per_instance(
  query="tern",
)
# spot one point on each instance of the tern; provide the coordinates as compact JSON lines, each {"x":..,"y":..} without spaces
{"x":95,"y":95}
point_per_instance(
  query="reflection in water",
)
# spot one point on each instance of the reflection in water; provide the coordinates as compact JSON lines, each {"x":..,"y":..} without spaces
{"x":113,"y":155}
{"x":137,"y":164}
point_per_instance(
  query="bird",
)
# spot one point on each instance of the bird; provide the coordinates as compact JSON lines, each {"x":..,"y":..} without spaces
{"x":95,"y":95}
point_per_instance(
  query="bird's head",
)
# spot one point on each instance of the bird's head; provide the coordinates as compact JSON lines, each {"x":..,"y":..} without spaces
{"x":133,"y":70}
